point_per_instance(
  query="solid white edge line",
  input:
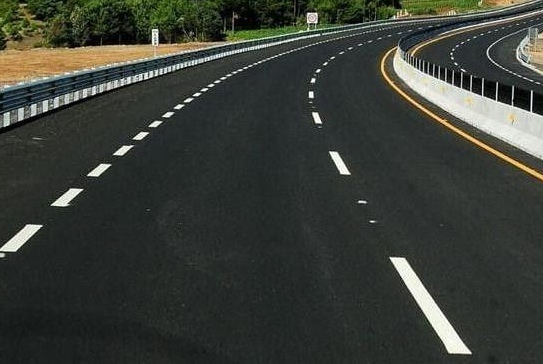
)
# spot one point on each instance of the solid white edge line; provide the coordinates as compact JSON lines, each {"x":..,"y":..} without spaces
{"x":67,"y":197}
{"x":20,"y":239}
{"x":316,"y":118}
{"x":155,"y":124}
{"x":123,"y":150}
{"x":141,"y":135}
{"x":340,"y":165}
{"x":453,"y":343}
{"x":97,"y":172}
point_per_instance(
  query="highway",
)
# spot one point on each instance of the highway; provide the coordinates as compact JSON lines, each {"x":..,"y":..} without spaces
{"x":279,"y":206}
{"x":488,"y":51}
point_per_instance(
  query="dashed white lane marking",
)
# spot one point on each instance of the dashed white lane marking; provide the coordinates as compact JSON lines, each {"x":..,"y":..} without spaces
{"x":155,"y":124}
{"x":362,"y":202}
{"x":453,"y":343}
{"x":211,"y":85}
{"x":318,"y":70}
{"x":340,"y":165}
{"x":168,"y":115}
{"x":20,"y":239}
{"x":97,"y":172}
{"x":141,"y":135}
{"x":316,"y":118}
{"x":342,"y":52}
{"x":332,"y":58}
{"x":313,"y":80}
{"x":67,"y":197}
{"x":325,"y":64}
{"x":179,"y":106}
{"x":311,"y":94}
{"x":123,"y":150}
{"x":205,"y":89}
{"x":223,"y":78}
{"x":188,"y":100}
{"x":197,"y":94}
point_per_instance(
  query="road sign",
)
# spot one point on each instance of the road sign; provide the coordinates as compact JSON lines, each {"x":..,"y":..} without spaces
{"x":312,"y":18}
{"x":154,"y":37}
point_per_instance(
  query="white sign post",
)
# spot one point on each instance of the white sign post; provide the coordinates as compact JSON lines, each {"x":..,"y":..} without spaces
{"x":312,"y":18}
{"x":154,"y":39}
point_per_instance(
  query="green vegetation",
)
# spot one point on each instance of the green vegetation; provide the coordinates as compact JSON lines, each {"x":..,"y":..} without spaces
{"x":96,"y":22}
{"x":264,"y":33}
{"x":420,"y":7}
{"x":3,"y":40}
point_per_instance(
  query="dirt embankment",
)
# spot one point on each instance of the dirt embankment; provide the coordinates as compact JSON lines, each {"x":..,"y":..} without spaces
{"x":27,"y":64}
{"x":24,"y":65}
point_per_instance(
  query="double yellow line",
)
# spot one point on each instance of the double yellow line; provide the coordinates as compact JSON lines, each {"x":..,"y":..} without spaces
{"x":532,"y":172}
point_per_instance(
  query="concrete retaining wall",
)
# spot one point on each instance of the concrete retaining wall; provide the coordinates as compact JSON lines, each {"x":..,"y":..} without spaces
{"x":515,"y":126}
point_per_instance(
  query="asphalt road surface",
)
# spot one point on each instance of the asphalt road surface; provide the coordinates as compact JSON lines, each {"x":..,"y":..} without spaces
{"x":268,"y":208}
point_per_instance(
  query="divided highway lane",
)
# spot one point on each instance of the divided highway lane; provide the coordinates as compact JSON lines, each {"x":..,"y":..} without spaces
{"x":40,"y":161}
{"x":468,"y":223}
{"x":488,"y":52}
{"x":190,"y":222}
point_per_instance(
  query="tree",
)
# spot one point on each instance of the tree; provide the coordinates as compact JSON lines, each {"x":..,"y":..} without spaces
{"x":141,"y":11}
{"x":167,"y":17}
{"x":3,"y":39}
{"x":56,"y":32}
{"x":204,"y":19}
{"x":101,"y":19}
{"x":45,"y":9}
{"x":80,"y":26}
{"x":121,"y":19}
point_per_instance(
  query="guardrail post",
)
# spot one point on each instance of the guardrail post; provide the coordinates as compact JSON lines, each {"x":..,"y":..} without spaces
{"x":513,"y":96}
{"x":483,"y":87}
{"x":531,"y":100}
{"x":497,"y":87}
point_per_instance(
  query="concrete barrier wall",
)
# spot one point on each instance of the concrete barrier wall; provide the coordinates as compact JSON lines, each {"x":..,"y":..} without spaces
{"x":515,"y":126}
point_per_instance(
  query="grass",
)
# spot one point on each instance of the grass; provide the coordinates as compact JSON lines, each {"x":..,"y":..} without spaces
{"x":264,"y":33}
{"x":438,"y":6}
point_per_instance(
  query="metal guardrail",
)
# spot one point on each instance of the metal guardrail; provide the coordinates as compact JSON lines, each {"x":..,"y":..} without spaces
{"x":521,"y":54}
{"x":33,"y":98}
{"x":508,"y":94}
{"x":24,"y":101}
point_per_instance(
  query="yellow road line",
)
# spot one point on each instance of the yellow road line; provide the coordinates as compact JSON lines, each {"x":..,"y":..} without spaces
{"x":448,"y":125}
